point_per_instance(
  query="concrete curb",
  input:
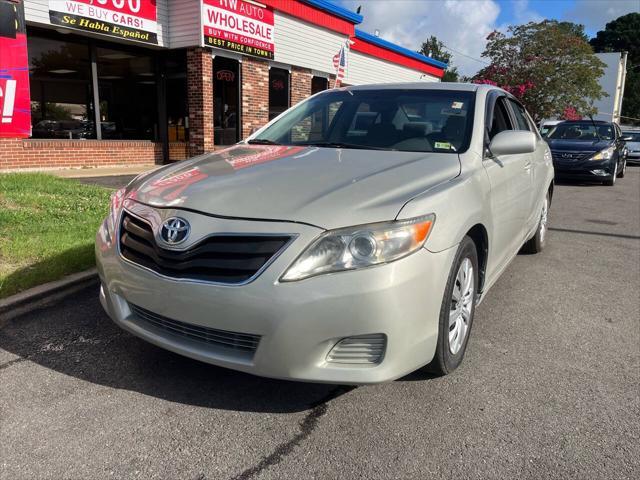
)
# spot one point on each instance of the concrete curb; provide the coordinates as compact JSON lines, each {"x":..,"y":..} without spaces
{"x":46,"y":293}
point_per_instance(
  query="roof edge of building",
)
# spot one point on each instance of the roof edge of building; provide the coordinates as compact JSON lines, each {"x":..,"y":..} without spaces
{"x":367,"y":37}
{"x":336,"y":10}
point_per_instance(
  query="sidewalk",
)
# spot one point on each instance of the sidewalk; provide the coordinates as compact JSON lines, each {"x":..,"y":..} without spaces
{"x":108,"y":177}
{"x":120,"y":170}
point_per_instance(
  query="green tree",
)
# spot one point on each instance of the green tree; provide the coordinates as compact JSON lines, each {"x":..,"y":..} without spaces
{"x":435,"y":49}
{"x":620,"y":35}
{"x":575,"y":29}
{"x":548,"y":65}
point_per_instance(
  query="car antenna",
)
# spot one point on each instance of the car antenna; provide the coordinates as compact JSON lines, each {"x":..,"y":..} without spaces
{"x":594,"y":127}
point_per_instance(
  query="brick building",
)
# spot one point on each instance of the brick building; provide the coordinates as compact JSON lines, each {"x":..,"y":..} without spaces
{"x":140,"y":81}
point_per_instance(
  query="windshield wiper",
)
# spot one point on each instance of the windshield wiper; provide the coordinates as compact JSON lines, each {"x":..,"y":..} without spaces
{"x":345,"y":145}
{"x":262,"y":141}
{"x":595,"y":128}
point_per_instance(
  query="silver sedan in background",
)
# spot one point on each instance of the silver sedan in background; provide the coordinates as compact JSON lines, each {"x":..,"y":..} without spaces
{"x":348,"y":241}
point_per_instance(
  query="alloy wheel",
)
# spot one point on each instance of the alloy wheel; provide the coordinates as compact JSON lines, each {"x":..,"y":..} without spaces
{"x":461,"y":304}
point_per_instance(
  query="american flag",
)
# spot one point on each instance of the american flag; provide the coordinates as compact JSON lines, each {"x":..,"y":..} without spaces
{"x":339,"y":64}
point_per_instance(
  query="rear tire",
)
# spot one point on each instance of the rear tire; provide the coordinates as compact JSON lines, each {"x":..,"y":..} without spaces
{"x":539,"y":240}
{"x":457,"y":310}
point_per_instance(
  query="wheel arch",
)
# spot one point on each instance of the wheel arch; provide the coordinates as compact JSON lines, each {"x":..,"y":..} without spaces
{"x":478,"y":233}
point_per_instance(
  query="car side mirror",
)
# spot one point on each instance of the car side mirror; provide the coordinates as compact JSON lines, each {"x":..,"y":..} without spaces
{"x":513,"y":142}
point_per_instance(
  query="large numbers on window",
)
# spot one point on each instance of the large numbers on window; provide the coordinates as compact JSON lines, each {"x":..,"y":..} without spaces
{"x":134,"y":5}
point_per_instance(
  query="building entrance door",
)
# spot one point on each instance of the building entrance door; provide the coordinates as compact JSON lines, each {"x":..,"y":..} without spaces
{"x":226,"y":89}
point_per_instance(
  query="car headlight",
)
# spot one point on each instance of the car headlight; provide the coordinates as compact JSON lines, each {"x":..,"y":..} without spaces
{"x":360,"y":247}
{"x":605,"y":154}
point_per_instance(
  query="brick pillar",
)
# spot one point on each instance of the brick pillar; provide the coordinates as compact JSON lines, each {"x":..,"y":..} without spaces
{"x":200,"y":98}
{"x":255,"y":94}
{"x":300,"y":84}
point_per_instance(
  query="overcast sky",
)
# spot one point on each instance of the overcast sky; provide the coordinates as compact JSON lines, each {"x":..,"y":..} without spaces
{"x":464,"y":24}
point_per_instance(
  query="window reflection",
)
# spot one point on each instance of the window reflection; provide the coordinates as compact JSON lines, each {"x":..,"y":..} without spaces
{"x":226,"y":120}
{"x":278,"y":91}
{"x":318,"y":84}
{"x":128,"y":96}
{"x":177,"y":106}
{"x":60,"y":82}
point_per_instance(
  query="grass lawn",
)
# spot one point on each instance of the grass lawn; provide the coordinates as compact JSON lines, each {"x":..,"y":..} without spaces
{"x":47,"y":228}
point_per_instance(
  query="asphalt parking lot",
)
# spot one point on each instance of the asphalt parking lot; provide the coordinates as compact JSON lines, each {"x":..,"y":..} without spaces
{"x":549,"y":388}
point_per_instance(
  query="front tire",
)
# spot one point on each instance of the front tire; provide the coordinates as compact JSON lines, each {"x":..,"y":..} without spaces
{"x":611,"y":181}
{"x":537,"y":243}
{"x":624,"y":169}
{"x":457,"y":310}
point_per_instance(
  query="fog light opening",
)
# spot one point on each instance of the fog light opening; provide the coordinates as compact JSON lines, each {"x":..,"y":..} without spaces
{"x":359,"y":350}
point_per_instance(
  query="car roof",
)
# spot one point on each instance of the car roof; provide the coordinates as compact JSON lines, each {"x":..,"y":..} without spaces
{"x":463,"y":87}
{"x":597,"y":122}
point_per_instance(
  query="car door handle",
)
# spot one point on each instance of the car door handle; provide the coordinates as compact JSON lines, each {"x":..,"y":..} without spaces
{"x":527,"y":166}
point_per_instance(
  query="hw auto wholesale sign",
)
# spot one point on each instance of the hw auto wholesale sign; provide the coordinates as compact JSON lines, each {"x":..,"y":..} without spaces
{"x":128,"y":19}
{"x":242,"y":26}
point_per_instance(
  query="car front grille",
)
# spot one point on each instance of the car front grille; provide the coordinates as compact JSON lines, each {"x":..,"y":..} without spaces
{"x":565,"y":156}
{"x":243,"y":342}
{"x":228,"y":259}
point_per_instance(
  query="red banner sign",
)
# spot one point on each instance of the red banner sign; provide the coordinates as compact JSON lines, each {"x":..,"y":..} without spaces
{"x":128,"y":19}
{"x":15,"y":104}
{"x":238,"y":25}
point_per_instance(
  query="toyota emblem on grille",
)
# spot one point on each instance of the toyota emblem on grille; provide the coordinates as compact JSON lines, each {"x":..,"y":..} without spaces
{"x":174,"y":230}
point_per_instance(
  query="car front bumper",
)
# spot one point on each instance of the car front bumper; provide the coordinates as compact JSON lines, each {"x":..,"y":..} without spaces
{"x":298,"y":322}
{"x":633,"y":157}
{"x":584,"y":170}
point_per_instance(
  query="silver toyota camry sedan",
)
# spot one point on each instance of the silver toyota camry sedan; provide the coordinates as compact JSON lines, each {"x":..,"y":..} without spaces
{"x":348,"y":241}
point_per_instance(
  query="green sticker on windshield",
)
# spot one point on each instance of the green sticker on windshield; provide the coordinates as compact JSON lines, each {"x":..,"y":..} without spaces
{"x":443,"y":145}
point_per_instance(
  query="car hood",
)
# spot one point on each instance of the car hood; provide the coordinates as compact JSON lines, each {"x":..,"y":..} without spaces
{"x":326,"y":187}
{"x":578,"y":146}
{"x":634,"y":146}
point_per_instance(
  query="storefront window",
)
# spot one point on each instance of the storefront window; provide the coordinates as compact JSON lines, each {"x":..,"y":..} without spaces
{"x":278,"y":91}
{"x":226,"y":120}
{"x":60,"y":82}
{"x":177,"y":103}
{"x":128,"y":95}
{"x":318,"y":84}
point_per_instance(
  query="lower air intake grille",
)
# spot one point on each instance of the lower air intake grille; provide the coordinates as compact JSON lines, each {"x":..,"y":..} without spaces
{"x":363,"y":350}
{"x":243,"y":342}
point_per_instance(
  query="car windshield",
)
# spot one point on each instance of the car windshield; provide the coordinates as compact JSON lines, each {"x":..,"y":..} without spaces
{"x":634,"y":136}
{"x":403,"y":120}
{"x":586,"y":132}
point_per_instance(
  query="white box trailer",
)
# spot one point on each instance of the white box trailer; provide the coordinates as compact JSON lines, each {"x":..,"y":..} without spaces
{"x":612,"y":82}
